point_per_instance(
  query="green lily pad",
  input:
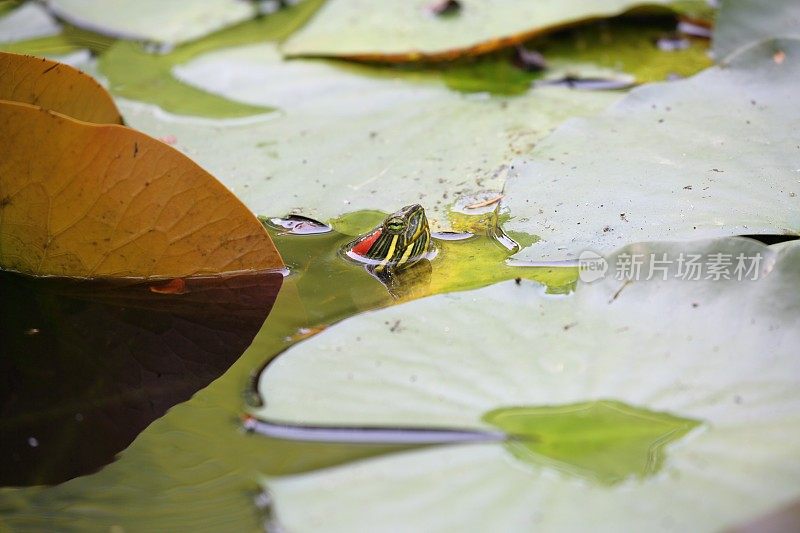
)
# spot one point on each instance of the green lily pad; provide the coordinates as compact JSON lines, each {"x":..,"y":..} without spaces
{"x":697,"y":158}
{"x":719,"y":352}
{"x":167,"y":23}
{"x":345,"y":142}
{"x":741,"y":23}
{"x":408,"y":30}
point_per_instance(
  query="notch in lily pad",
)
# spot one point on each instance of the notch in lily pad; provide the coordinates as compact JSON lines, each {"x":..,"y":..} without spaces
{"x":605,"y":441}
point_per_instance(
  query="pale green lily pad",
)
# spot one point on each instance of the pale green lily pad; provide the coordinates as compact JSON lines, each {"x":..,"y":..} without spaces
{"x":28,"y":21}
{"x":345,"y":142}
{"x":720,"y":352}
{"x":704,"y":157}
{"x":741,"y":23}
{"x":67,"y":41}
{"x":167,"y":23}
{"x":133,"y":73}
{"x":404,"y":30}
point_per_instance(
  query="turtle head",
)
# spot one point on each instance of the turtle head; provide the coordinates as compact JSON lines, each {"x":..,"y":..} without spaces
{"x":402,"y":239}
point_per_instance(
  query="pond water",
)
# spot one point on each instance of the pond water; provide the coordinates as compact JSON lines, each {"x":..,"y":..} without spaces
{"x":196,"y":465}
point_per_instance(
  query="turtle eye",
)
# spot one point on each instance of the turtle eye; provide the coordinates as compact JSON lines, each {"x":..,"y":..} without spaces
{"x":395,"y":224}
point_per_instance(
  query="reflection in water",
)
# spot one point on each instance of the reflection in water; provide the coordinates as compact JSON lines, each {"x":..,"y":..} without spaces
{"x":87,"y":365}
{"x":405,"y":283}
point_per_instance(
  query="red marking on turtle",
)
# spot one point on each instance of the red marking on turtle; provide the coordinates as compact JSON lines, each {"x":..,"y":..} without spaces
{"x":364,"y":245}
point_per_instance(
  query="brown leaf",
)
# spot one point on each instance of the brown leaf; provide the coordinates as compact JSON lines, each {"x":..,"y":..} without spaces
{"x":89,"y":200}
{"x":55,"y":86}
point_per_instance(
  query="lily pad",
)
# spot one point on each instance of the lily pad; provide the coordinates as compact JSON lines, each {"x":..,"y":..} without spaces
{"x":133,"y":73}
{"x":346,"y":142}
{"x":28,"y":21}
{"x":91,"y":200}
{"x":729,"y":364}
{"x":57,"y":87}
{"x":740,"y":23}
{"x":623,"y":49}
{"x":711,"y":159}
{"x":409,"y":31}
{"x":168,"y":23}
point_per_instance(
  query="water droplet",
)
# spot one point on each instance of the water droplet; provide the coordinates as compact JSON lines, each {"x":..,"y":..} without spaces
{"x":297,"y":225}
{"x":672,"y":43}
{"x":452,"y":235}
{"x":505,"y":241}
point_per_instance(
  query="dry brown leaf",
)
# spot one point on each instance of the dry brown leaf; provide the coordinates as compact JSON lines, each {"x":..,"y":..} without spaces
{"x":485,"y":203}
{"x":89,"y":200}
{"x":55,"y":86}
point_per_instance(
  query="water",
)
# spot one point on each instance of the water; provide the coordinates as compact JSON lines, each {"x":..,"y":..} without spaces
{"x":197,"y":466}
{"x":604,"y":441}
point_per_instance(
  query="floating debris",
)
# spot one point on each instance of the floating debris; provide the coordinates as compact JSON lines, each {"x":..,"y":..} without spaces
{"x":304,"y":333}
{"x":478,"y":203}
{"x":444,"y":8}
{"x":528,"y":60}
{"x":485,"y":203}
{"x":173,"y":286}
